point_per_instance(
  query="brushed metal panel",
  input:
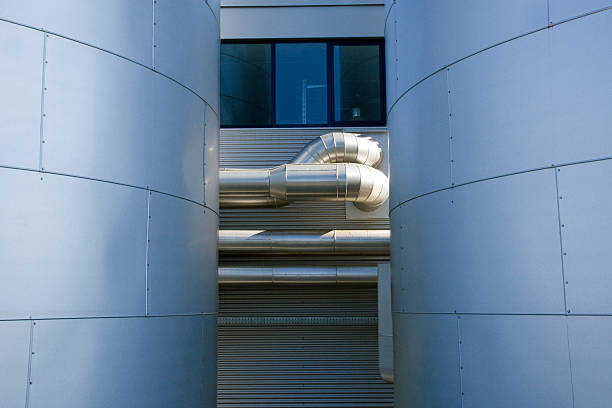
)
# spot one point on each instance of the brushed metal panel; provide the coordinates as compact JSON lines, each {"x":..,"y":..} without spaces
{"x":322,"y":21}
{"x":110,"y":119}
{"x":560,"y":10}
{"x":133,"y":362}
{"x":70,"y":247}
{"x":581,"y":53}
{"x":506,"y":252}
{"x":182,"y":273}
{"x":487,"y":247}
{"x":515,"y":361}
{"x":426,"y":351}
{"x":20,"y":89}
{"x":391,"y":58}
{"x":432,"y":34}
{"x":585,"y":207}
{"x":589,"y":341}
{"x":501,"y":110}
{"x":176,"y":150}
{"x":187,"y":46}
{"x":421,"y":266}
{"x":211,"y":160}
{"x":419,"y":148}
{"x":14,"y":356}
{"x":124,"y":28}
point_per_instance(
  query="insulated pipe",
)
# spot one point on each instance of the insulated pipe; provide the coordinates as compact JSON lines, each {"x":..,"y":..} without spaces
{"x":341,"y":147}
{"x":366,"y":186}
{"x":299,"y":275}
{"x":335,"y":242}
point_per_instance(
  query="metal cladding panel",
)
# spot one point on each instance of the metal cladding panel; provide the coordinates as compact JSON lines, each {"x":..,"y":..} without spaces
{"x":126,"y":362}
{"x":322,"y":20}
{"x":560,"y":10}
{"x":215,"y":6}
{"x":421,"y":269}
{"x":181,"y":276}
{"x":506,"y":251}
{"x":489,"y":247}
{"x":581,"y":52}
{"x":391,"y":58}
{"x":121,"y":27}
{"x":187,"y":46}
{"x":424,"y":378}
{"x":211,"y":160}
{"x":420,"y":150}
{"x":585,"y":193}
{"x":501,"y":115}
{"x":433,"y":34}
{"x":589,"y":341}
{"x":127,"y":124}
{"x":515,"y":361}
{"x":14,"y":357}
{"x":70,"y":247}
{"x":294,"y":360}
{"x":20,"y":89}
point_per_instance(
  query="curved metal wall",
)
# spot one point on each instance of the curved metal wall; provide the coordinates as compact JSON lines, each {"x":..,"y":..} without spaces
{"x":109,"y":209}
{"x":500,"y":148}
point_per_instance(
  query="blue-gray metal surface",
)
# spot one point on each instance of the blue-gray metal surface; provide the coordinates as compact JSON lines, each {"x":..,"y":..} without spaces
{"x":14,"y":362}
{"x":103,"y":178}
{"x":160,"y":122}
{"x":560,"y":10}
{"x":187,"y":46}
{"x":515,"y":243}
{"x":178,"y":249}
{"x":589,"y":342}
{"x":129,"y":362}
{"x":427,"y":161}
{"x":426,"y":361}
{"x":514,"y":361}
{"x":58,"y":258}
{"x":586,"y":218}
{"x":20,"y":77}
{"x":123,"y":28}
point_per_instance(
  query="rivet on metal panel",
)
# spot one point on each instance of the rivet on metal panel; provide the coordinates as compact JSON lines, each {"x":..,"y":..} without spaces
{"x":569,"y":311}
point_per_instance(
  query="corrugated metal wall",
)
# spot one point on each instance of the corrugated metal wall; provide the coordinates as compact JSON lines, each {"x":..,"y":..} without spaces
{"x":299,"y":346}
{"x":292,"y":346}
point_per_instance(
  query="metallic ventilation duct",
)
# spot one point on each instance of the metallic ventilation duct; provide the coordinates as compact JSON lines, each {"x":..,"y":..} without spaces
{"x":299,"y":275}
{"x":335,"y":242}
{"x":334,"y":167}
{"x":366,"y":186}
{"x":340,"y":147}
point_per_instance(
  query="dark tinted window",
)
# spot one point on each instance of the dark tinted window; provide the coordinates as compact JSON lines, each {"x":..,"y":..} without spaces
{"x":246,"y":85}
{"x":301,"y":84}
{"x":357,"y":95}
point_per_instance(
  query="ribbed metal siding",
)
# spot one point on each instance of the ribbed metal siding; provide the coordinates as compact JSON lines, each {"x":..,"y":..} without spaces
{"x":261,"y":148}
{"x":290,"y":346}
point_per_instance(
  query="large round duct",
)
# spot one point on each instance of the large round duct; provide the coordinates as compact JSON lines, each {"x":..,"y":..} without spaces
{"x":108,"y":171}
{"x":500,"y":139}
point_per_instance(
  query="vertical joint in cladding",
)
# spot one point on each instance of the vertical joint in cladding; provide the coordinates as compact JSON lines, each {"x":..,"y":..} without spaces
{"x":43,"y":90}
{"x":564,"y":283}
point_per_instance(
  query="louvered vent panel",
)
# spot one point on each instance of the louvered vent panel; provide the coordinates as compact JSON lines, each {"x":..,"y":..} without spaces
{"x":319,"y":350}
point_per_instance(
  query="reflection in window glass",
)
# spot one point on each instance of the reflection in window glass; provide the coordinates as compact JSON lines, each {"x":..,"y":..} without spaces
{"x":246,"y":85}
{"x":357,"y":95}
{"x":301,"y":83}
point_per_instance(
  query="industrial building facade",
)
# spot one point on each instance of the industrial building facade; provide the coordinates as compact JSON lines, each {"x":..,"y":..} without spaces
{"x":299,"y":203}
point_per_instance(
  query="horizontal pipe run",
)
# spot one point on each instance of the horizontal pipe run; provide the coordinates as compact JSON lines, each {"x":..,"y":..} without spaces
{"x":366,"y":186}
{"x":299,"y":275}
{"x":334,"y":242}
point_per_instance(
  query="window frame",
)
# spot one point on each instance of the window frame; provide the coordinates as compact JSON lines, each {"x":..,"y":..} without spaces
{"x":330,"y":43}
